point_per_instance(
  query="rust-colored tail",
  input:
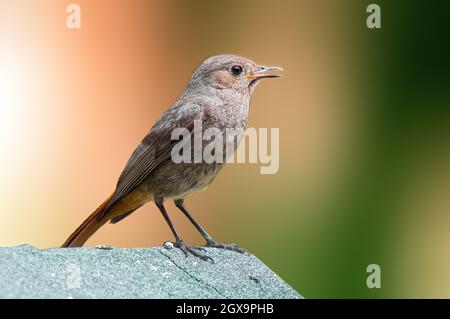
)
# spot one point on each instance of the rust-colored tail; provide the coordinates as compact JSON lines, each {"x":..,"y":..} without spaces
{"x":88,"y":227}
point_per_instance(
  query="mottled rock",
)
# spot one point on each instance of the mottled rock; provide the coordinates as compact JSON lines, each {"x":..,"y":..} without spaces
{"x":27,"y":272}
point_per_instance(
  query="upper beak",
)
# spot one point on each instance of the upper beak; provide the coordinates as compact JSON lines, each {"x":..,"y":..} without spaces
{"x":261,"y":70}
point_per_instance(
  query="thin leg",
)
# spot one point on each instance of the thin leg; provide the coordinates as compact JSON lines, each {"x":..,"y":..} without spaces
{"x":209,"y":240}
{"x":162,"y":209}
{"x":180,"y":204}
{"x":179,"y":243}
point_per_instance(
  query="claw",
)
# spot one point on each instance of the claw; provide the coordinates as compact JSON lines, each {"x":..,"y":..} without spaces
{"x":193,"y":251}
{"x":230,"y":247}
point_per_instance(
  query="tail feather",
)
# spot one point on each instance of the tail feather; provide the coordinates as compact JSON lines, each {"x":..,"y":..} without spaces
{"x":88,"y":227}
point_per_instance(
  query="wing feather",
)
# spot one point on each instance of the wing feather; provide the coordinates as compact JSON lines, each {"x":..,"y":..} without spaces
{"x":155,"y":148}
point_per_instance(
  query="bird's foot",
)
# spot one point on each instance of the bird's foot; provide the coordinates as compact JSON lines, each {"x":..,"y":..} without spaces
{"x":195,"y":251}
{"x":231,"y":247}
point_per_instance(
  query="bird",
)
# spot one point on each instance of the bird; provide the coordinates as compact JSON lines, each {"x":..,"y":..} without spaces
{"x":218,"y":97}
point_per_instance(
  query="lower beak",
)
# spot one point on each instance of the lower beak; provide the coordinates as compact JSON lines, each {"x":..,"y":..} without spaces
{"x":260,"y":72}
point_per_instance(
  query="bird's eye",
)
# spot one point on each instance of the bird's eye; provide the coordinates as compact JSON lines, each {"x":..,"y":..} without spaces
{"x":236,"y":70}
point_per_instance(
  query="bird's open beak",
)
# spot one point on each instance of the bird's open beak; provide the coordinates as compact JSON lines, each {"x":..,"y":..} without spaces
{"x":261,"y":70}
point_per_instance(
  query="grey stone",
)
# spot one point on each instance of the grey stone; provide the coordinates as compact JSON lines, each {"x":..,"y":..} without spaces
{"x":106,"y":272}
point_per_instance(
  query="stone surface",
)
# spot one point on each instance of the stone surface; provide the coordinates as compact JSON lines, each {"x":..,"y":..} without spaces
{"x":105,"y":272}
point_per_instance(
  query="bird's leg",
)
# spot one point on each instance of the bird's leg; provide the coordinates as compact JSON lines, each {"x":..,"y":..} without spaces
{"x":179,"y":243}
{"x":180,"y":204}
{"x":210,"y":242}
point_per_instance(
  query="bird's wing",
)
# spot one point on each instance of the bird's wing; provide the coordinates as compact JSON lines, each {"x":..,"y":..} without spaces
{"x":154,"y":149}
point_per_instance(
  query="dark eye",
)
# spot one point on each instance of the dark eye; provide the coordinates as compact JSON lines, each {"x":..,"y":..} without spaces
{"x":236,"y":70}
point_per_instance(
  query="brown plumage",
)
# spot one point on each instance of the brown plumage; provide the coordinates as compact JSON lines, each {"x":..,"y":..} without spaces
{"x":88,"y":227}
{"x":218,"y":95}
{"x":102,"y":215}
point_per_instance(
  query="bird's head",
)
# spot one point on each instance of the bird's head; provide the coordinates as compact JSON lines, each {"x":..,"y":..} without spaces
{"x":231,"y":72}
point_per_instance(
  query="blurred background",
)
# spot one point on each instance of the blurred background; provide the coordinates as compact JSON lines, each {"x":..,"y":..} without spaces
{"x":364,"y":132}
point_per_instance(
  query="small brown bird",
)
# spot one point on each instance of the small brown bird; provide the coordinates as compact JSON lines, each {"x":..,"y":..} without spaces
{"x":218,"y":96}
